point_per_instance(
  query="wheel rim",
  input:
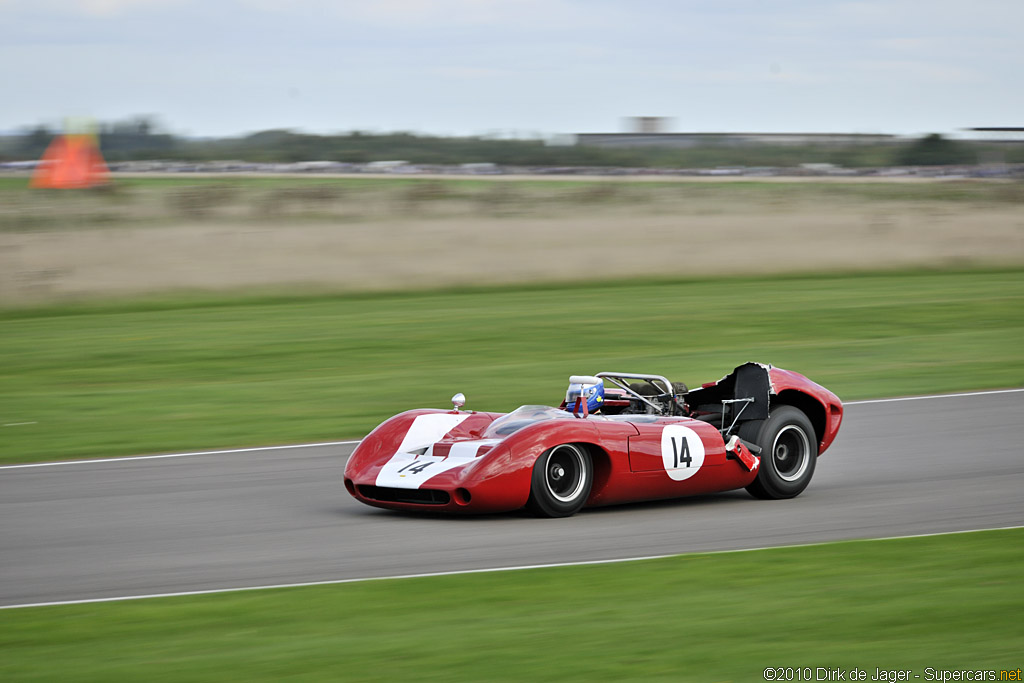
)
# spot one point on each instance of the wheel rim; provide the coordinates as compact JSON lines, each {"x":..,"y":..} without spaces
{"x":791,"y":453}
{"x":564,"y":473}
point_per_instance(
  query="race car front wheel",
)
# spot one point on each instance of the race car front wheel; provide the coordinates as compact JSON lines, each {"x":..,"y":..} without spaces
{"x":789,"y":452}
{"x":562,"y":477}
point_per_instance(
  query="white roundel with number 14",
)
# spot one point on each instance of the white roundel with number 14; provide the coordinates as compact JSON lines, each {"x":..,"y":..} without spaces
{"x":682,"y":451}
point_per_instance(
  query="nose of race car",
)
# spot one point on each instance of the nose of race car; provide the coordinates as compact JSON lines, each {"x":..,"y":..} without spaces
{"x":450,"y":477}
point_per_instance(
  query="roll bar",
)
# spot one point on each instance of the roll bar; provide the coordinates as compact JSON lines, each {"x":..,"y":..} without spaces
{"x":617,"y":377}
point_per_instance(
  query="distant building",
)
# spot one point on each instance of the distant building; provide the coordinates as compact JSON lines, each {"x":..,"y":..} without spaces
{"x":1012,"y":135}
{"x":687,"y":140}
{"x":647,"y":124}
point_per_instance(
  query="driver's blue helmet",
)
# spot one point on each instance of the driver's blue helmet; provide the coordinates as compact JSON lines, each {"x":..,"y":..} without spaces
{"x":591,"y":388}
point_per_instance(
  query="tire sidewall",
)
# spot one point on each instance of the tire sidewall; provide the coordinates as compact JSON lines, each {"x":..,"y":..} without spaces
{"x":543,"y":502}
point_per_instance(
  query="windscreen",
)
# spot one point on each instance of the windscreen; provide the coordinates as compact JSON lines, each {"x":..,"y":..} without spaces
{"x":523,"y":417}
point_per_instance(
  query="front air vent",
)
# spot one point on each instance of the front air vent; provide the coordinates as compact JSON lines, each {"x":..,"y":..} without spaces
{"x":386,"y":494}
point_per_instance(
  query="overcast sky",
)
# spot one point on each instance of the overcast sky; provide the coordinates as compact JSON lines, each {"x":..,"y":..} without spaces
{"x":523,"y":67}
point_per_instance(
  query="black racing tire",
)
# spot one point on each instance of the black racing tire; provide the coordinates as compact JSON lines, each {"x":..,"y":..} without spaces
{"x":789,"y":451}
{"x":562,"y":477}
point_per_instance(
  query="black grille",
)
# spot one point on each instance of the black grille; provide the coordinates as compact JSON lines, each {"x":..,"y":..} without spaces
{"x":418,"y":496}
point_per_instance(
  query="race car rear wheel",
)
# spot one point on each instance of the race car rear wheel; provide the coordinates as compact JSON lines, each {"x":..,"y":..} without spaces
{"x":562,"y":477}
{"x":789,"y":451}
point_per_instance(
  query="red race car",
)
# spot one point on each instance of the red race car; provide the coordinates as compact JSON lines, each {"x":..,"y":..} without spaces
{"x":641,"y":438}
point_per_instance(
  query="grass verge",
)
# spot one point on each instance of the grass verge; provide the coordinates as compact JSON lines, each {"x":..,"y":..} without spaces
{"x":948,"y":602}
{"x":168,"y":375}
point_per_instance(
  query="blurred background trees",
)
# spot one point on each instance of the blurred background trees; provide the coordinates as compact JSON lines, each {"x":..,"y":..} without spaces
{"x":144,"y":138}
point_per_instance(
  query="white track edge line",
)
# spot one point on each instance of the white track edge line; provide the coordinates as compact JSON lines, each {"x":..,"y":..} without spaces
{"x":930,"y":396}
{"x":129,"y":458}
{"x":489,"y":570}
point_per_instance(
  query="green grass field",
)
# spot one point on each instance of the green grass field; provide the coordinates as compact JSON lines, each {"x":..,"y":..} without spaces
{"x":947,"y":602}
{"x":194,"y":373}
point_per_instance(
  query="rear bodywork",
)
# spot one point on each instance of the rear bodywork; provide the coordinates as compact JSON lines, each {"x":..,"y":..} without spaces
{"x":467,"y":461}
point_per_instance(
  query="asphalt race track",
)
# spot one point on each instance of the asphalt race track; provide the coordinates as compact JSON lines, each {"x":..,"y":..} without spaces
{"x":151,"y":526}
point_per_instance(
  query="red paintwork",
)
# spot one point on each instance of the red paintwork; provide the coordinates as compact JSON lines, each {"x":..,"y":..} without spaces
{"x":749,"y":460}
{"x":626,"y":455}
{"x":787,"y":380}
